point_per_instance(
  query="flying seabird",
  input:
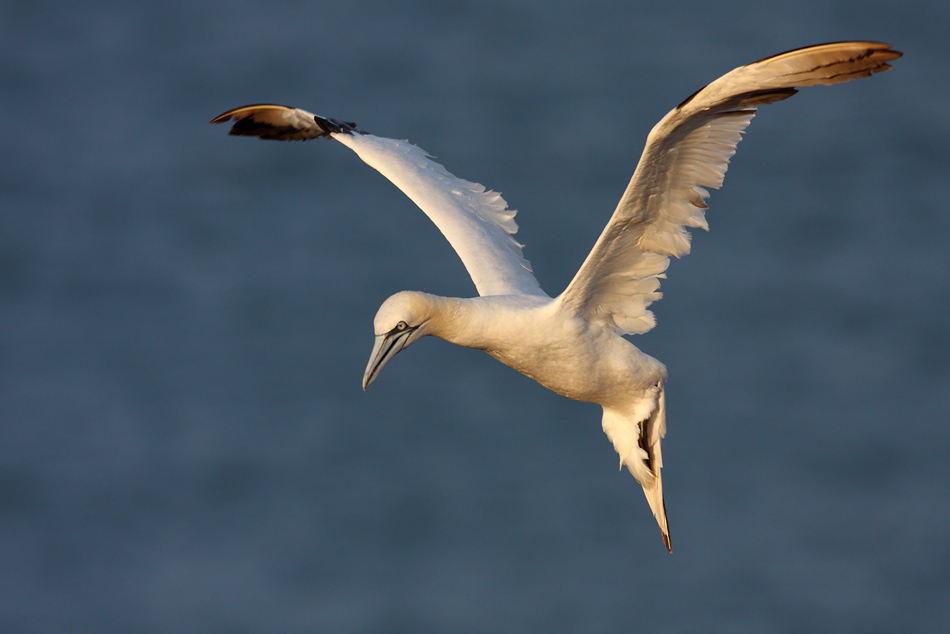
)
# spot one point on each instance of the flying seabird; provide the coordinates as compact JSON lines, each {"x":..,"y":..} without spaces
{"x":574,"y":343}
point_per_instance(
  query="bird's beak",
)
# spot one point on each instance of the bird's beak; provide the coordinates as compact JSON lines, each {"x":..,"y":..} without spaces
{"x":386,"y":347}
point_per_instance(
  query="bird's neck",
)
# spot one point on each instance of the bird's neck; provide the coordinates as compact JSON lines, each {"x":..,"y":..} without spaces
{"x":478,"y":322}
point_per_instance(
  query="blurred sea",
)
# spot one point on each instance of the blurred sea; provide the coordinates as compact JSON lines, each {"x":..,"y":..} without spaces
{"x":185,"y":318}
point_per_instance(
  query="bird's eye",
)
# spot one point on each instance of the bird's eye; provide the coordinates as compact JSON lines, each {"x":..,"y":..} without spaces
{"x":402,"y":325}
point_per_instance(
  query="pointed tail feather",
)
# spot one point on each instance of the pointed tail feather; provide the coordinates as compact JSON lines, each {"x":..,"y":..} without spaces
{"x":658,"y":506}
{"x":637,"y":438}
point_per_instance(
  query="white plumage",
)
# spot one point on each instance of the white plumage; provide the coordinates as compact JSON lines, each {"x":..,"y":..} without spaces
{"x":572,"y":343}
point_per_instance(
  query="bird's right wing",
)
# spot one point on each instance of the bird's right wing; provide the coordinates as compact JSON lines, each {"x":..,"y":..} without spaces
{"x":476,"y":222}
{"x":686,"y":152}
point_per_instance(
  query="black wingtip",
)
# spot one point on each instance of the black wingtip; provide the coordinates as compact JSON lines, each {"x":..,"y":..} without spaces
{"x":336,"y":126}
{"x":250,"y":126}
{"x":266,"y":121}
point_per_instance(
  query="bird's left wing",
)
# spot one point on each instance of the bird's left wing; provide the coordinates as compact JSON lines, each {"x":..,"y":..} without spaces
{"x":476,"y":222}
{"x":686,"y":152}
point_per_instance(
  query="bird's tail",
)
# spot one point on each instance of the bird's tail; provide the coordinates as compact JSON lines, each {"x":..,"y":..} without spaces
{"x":637,"y":439}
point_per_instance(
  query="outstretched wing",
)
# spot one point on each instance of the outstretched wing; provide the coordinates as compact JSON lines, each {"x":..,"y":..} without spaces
{"x":686,"y":152}
{"x":476,"y":222}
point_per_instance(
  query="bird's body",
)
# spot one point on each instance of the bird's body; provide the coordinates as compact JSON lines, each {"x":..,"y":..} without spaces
{"x":574,"y":343}
{"x":539,"y":338}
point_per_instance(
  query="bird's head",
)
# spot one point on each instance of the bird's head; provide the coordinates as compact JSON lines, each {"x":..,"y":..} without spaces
{"x":400,"y":321}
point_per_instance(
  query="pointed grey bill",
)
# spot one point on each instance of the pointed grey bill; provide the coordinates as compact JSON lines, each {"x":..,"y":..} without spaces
{"x":385,"y":348}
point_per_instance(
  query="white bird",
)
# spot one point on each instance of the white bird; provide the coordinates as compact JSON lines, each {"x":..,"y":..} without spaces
{"x":573,"y":344}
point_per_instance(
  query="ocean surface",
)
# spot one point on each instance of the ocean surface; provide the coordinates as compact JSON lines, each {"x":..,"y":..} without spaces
{"x":185,"y":318}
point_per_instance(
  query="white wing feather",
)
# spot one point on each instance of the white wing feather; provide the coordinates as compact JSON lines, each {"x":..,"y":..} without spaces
{"x":476,"y":222}
{"x":687,"y":152}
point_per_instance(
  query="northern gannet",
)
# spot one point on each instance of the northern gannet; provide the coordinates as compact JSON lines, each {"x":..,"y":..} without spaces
{"x":573,"y":344}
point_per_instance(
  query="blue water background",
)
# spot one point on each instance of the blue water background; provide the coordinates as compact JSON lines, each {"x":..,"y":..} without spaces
{"x":185,"y":318}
